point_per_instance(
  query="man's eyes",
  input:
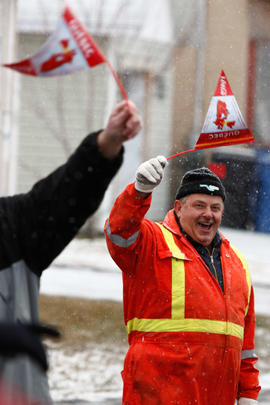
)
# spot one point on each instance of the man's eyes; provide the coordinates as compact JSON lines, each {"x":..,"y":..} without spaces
{"x":202,"y":206}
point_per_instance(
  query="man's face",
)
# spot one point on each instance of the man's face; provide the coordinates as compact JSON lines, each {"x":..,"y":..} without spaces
{"x":200,"y":216}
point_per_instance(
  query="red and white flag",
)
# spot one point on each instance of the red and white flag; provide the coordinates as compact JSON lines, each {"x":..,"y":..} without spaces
{"x":224,"y":123}
{"x":69,"y":49}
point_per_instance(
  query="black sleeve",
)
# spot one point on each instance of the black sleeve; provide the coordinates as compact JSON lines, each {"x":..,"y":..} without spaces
{"x":49,"y":216}
{"x":16,"y":338}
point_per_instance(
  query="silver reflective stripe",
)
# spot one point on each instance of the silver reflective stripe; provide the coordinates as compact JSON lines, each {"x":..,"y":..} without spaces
{"x":118,"y":240}
{"x":248,"y":354}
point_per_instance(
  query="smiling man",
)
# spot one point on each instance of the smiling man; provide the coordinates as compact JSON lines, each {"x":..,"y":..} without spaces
{"x":188,"y":299}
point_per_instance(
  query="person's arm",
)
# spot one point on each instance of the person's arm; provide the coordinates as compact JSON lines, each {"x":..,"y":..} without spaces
{"x":125,"y":225}
{"x":18,"y":338}
{"x":248,"y":381}
{"x":50,"y":215}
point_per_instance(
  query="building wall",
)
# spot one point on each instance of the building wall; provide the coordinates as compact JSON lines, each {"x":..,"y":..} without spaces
{"x":216,"y":38}
{"x":226,"y":47}
{"x":258,"y":16}
{"x":160,"y":136}
{"x":259,"y":68}
{"x":153,"y":96}
{"x":8,"y":90}
{"x":184,"y":89}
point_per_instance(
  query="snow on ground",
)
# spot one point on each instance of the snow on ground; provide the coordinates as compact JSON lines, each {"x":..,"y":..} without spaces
{"x":89,"y":375}
{"x":68,"y":275}
{"x":86,"y":270}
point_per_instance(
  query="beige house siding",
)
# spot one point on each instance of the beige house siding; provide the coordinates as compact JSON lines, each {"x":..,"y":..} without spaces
{"x":153,"y":96}
{"x":227,"y":48}
{"x":160,"y":136}
{"x":185,"y":62}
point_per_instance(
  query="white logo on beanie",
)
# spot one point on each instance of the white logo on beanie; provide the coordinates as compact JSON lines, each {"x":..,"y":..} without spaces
{"x":209,"y":187}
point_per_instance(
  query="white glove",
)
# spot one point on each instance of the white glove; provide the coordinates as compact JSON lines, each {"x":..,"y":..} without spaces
{"x":149,"y":174}
{"x":247,"y":401}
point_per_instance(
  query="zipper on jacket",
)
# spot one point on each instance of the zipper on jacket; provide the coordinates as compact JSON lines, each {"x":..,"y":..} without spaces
{"x":213,"y":263}
{"x":189,"y":244}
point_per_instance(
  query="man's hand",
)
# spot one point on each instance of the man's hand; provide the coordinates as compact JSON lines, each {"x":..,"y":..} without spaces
{"x":149,"y":175}
{"x":247,"y":401}
{"x":123,"y":124}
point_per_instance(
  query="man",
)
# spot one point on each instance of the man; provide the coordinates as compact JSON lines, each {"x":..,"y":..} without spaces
{"x":188,"y":299}
{"x":36,"y":226}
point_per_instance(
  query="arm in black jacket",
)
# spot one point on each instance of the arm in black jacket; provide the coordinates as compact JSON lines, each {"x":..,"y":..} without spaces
{"x":49,"y":216}
{"x":36,"y":226}
{"x":18,"y":338}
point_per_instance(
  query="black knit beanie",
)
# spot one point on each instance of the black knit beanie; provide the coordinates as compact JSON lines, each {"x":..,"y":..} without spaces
{"x":201,"y":181}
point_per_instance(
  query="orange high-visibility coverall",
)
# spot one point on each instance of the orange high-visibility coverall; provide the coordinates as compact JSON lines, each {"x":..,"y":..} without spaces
{"x":189,"y":342}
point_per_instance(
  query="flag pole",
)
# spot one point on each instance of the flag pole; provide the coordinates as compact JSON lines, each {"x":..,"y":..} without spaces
{"x":118,"y":81}
{"x":181,"y":153}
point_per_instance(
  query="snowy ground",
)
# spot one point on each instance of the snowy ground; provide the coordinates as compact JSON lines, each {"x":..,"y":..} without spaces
{"x":92,"y":375}
{"x":86,"y":270}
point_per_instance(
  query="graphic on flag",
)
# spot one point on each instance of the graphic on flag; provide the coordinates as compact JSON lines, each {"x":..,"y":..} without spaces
{"x":58,"y":59}
{"x":69,"y":49}
{"x":224,"y":123}
{"x":222,"y":114}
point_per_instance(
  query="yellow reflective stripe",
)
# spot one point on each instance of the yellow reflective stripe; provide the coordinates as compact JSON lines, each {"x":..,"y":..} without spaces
{"x":178,"y":276}
{"x":178,"y":322}
{"x":178,"y":289}
{"x":248,"y":277}
{"x":185,"y":325}
{"x":168,"y":236}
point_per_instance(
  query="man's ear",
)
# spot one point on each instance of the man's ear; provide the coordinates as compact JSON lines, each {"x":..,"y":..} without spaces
{"x":177,"y":207}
